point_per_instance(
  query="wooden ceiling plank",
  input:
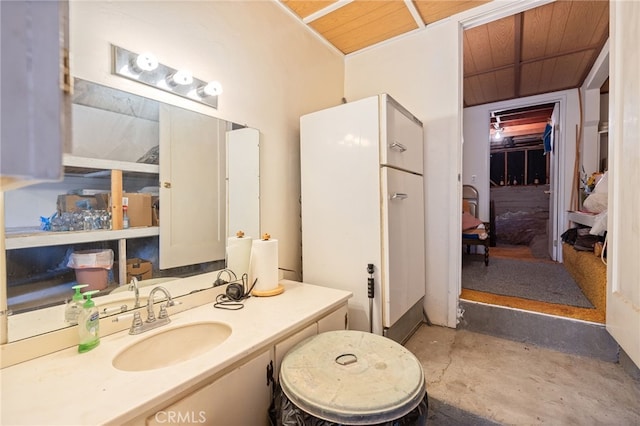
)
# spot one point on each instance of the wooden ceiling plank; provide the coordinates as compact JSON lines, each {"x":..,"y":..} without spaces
{"x":582,"y":19}
{"x":378,"y":17}
{"x":501,"y":35}
{"x":479,"y":43}
{"x":601,"y":30}
{"x":504,"y":83}
{"x":398,"y":21}
{"x":306,"y":8}
{"x":471,"y":87}
{"x":535,"y":30}
{"x":468,"y":60}
{"x":531,"y":74}
{"x":568,"y":70}
{"x":352,"y":15}
{"x":557,"y":25}
{"x":432,"y":11}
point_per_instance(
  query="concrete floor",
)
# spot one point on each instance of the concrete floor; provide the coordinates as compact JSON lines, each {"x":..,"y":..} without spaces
{"x":477,"y":379}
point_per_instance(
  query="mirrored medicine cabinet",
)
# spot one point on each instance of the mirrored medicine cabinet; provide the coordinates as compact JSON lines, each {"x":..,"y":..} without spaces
{"x":204,"y":172}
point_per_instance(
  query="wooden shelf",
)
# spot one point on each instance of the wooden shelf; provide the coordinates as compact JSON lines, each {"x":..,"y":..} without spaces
{"x":91,"y":166}
{"x":32,"y":237}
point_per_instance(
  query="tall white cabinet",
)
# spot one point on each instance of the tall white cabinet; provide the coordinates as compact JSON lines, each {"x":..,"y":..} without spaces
{"x":363,"y":203}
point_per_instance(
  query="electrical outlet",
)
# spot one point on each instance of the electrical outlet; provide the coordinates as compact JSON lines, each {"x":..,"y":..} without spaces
{"x":474,"y":178}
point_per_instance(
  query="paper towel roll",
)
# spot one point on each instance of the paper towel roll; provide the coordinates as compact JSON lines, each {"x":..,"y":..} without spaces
{"x":264,"y":265}
{"x":239,"y":255}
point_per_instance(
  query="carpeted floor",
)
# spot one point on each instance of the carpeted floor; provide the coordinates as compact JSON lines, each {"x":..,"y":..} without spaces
{"x":542,"y":281}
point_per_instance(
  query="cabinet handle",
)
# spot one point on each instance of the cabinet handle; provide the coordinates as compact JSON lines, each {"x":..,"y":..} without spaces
{"x":167,"y":185}
{"x":399,"y":196}
{"x":397,"y":146}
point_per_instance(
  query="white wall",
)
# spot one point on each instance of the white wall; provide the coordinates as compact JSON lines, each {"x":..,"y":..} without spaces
{"x":272,"y":70}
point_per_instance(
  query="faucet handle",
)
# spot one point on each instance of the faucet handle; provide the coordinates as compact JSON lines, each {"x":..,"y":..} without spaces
{"x":163,"y":312}
{"x":136,"y":324}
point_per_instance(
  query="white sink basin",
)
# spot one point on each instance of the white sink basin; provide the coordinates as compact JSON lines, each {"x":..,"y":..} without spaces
{"x":172,"y":346}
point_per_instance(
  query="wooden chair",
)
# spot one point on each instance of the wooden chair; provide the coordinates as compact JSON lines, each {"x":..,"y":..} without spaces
{"x":470,"y":204}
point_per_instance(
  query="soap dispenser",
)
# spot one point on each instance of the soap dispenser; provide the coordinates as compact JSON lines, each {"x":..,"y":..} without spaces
{"x":74,"y":306}
{"x":89,"y":324}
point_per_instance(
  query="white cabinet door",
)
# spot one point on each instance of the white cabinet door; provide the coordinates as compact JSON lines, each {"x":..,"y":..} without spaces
{"x":241,"y":397}
{"x":35,"y":108}
{"x":337,"y":320}
{"x":284,"y":346}
{"x":192,"y":188}
{"x":403,"y":229}
{"x":243,"y":182}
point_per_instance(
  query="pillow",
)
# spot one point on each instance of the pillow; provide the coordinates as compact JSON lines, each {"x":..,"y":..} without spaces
{"x":469,"y":221}
{"x":596,"y":202}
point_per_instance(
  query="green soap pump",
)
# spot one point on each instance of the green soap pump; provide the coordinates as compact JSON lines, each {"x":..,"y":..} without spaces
{"x":74,"y":306}
{"x":89,"y":324}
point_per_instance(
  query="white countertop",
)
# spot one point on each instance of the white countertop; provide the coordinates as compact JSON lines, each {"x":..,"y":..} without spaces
{"x":68,"y":388}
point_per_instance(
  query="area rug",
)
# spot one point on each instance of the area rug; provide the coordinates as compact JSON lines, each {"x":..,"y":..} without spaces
{"x":542,"y":281}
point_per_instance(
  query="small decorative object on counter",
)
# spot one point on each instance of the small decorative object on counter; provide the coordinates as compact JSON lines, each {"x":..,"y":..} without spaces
{"x":74,"y":306}
{"x":89,"y":324}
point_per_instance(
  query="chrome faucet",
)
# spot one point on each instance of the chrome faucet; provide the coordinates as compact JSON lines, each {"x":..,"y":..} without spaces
{"x":134,"y":287}
{"x":137,"y":326}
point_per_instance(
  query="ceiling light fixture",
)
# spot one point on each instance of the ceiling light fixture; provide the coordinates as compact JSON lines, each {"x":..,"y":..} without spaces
{"x":213,"y":88}
{"x":146,"y":69}
{"x":180,"y":77}
{"x":145,"y":62}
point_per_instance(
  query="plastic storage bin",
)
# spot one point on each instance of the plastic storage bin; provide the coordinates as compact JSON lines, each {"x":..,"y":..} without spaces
{"x":92,"y":267}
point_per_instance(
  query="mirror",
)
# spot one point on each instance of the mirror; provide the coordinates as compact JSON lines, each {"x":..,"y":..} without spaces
{"x":109,"y":124}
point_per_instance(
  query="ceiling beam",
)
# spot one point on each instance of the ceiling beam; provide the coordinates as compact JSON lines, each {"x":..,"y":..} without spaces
{"x":414,"y":13}
{"x":517,"y":54}
{"x":327,"y":10}
{"x":542,"y":58}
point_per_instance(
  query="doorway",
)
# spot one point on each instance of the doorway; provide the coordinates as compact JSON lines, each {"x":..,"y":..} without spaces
{"x":520,"y":177}
{"x":524,"y":169}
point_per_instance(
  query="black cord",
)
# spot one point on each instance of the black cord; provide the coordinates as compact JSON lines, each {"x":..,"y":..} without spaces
{"x":224,"y":302}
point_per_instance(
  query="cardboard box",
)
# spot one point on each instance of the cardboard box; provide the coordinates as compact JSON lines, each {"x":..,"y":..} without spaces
{"x":77,"y":203}
{"x":136,"y":267}
{"x":139,"y":209}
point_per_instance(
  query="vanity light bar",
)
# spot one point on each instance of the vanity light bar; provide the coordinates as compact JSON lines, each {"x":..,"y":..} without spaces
{"x":146,"y":69}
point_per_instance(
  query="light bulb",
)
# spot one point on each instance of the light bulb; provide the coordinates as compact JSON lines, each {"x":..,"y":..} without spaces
{"x":213,"y":88}
{"x":181,"y":77}
{"x":146,"y":62}
{"x":498,"y":135}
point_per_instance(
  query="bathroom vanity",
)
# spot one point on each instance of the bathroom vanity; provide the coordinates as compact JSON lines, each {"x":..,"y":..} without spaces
{"x":228,"y":382}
